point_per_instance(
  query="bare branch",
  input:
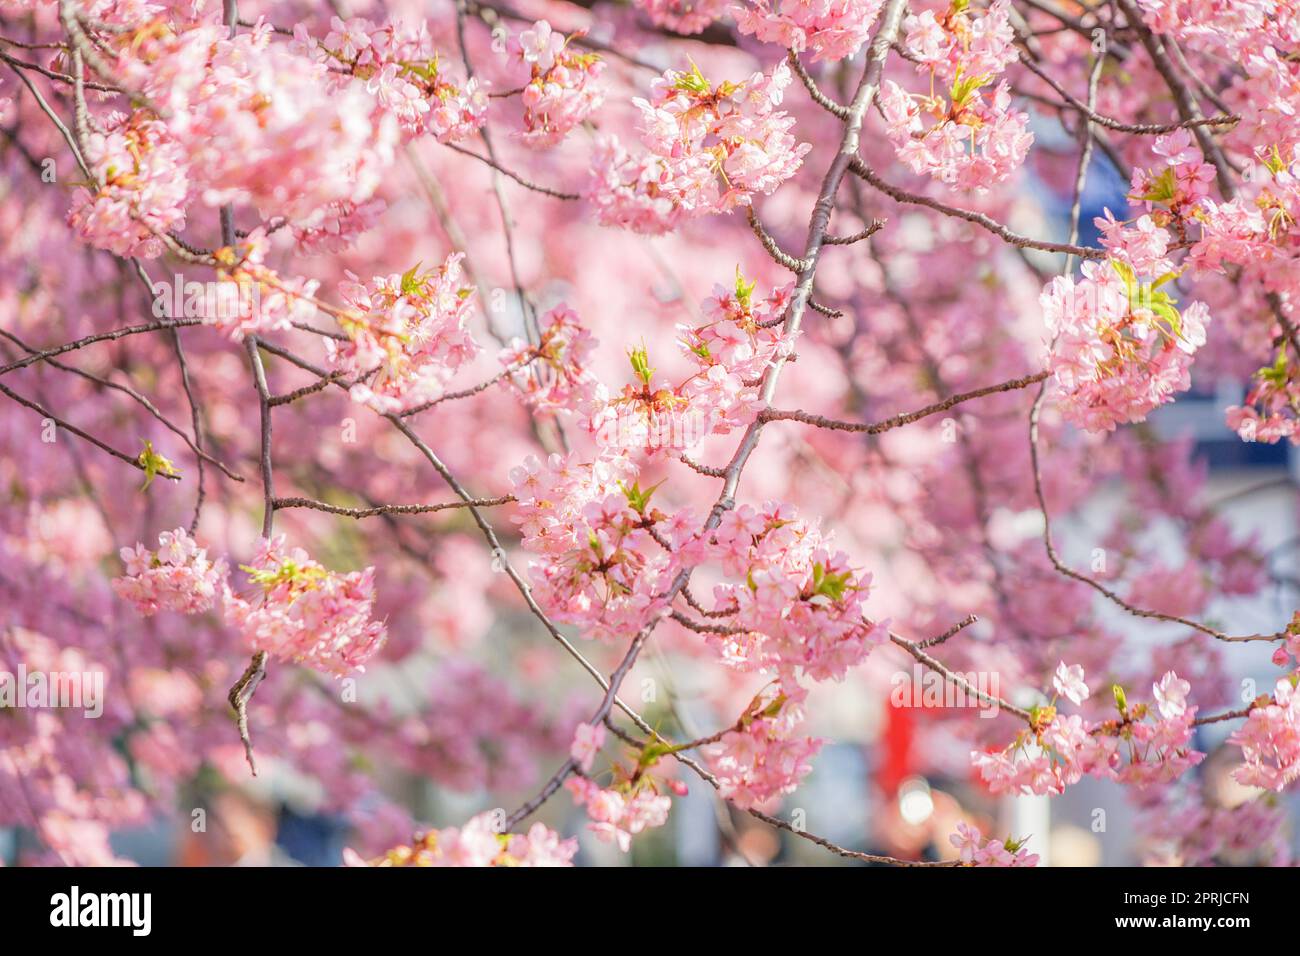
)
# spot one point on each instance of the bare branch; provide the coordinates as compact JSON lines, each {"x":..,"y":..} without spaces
{"x":875,"y":428}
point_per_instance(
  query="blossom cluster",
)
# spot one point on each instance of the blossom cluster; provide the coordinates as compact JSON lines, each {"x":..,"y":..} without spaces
{"x":619,"y":813}
{"x":1178,"y":184}
{"x":763,"y":757}
{"x":140,"y":190}
{"x":730,"y":350}
{"x":398,"y":66}
{"x":1270,"y":740}
{"x":683,"y":16}
{"x":830,"y":29}
{"x":790,"y":606}
{"x":259,"y":122}
{"x":339,"y":227}
{"x":1192,"y":833}
{"x":1120,"y":346}
{"x":406,"y":335}
{"x":601,"y":567}
{"x":561,"y":90}
{"x":177,"y":577}
{"x":799,"y":606}
{"x":970,"y":138}
{"x":554,"y":374}
{"x":1057,"y":751}
{"x":251,"y":297}
{"x":1271,"y":409}
{"x":974,"y":850}
{"x":625,"y":189}
{"x":300,"y":611}
{"x":712,"y":148}
{"x":478,"y":843}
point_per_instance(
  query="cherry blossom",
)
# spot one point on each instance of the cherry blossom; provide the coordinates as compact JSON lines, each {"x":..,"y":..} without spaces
{"x":714,"y":146}
{"x":397,"y":64}
{"x":830,"y":29}
{"x":1270,"y":740}
{"x":756,"y":464}
{"x":299,"y":611}
{"x":683,"y":16}
{"x":619,"y":814}
{"x":587,"y":741}
{"x":1121,"y":347}
{"x":800,"y":605}
{"x":603,"y":571}
{"x":142,"y":187}
{"x":561,"y":90}
{"x":176,"y":577}
{"x":1057,"y":751}
{"x":553,"y":375}
{"x":973,"y":139}
{"x":1068,"y":681}
{"x":406,"y":335}
{"x":477,"y":843}
{"x":974,"y":850}
{"x":764,"y":758}
{"x":261,"y":123}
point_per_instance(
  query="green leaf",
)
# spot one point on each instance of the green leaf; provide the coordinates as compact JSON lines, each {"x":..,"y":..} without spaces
{"x":1275,"y":162}
{"x":828,"y":584}
{"x":638,"y":499}
{"x":1125,"y":272}
{"x":154,"y":465}
{"x":700,"y":349}
{"x":964,"y":87}
{"x":744,"y":290}
{"x":412,"y":282}
{"x":693,"y":82}
{"x":1276,"y":374}
{"x":287,"y":571}
{"x":1161,"y":189}
{"x":641,"y":365}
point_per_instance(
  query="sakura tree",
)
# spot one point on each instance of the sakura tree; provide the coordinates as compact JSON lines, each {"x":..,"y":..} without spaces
{"x":557,"y":402}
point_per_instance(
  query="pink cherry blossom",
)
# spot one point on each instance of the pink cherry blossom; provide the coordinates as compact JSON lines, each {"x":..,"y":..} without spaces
{"x":1171,"y":695}
{"x":974,"y":850}
{"x":1270,"y":741}
{"x":683,"y":16}
{"x":617,"y":815}
{"x":830,"y":29}
{"x":1120,"y":346}
{"x":142,"y":187}
{"x":478,"y":843}
{"x":1069,"y":682}
{"x":561,"y":90}
{"x":587,"y":741}
{"x":397,"y":65}
{"x":299,"y":611}
{"x":712,"y":147}
{"x":406,"y":335}
{"x":554,"y":374}
{"x":177,"y":577}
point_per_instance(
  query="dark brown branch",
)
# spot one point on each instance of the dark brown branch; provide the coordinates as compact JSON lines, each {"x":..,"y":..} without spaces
{"x":978,"y":218}
{"x":874,"y":428}
{"x":282,"y":503}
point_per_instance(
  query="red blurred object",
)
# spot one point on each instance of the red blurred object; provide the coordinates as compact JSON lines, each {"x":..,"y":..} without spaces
{"x":897,"y":763}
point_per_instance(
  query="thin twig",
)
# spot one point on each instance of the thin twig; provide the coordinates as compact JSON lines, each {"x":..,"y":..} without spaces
{"x":875,"y":428}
